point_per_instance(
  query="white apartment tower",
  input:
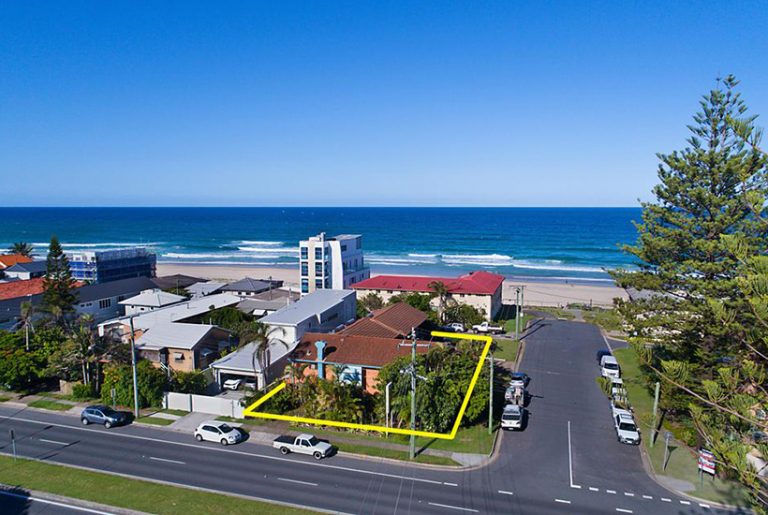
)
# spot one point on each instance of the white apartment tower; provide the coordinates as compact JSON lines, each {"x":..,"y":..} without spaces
{"x":331,"y":263}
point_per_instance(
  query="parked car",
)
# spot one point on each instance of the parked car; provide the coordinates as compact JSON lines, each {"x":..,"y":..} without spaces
{"x":455,"y":327}
{"x":215,"y":431}
{"x":515,"y":395}
{"x":512,"y":417}
{"x":303,"y":444}
{"x":519,"y":379}
{"x":626,"y":429}
{"x":232,"y":384}
{"x":104,"y":415}
{"x":250,"y":384}
{"x":487,"y":328}
{"x":609,"y":367}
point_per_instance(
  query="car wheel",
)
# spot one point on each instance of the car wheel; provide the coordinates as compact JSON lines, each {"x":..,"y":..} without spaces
{"x":284,"y":450}
{"x":318,"y":455}
{"x":199,"y":438}
{"x":84,"y":421}
{"x":108,"y":424}
{"x":224,"y":441}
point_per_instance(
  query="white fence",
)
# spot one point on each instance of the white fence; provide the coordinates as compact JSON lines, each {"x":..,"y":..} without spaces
{"x":203,"y":404}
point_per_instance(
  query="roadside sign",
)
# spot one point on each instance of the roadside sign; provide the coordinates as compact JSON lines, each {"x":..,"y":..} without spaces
{"x":706,"y":461}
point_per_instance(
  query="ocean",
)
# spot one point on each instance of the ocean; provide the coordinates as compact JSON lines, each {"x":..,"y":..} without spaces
{"x":546,"y":243}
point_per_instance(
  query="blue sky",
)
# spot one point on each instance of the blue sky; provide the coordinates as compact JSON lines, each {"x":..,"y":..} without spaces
{"x":359,"y":103}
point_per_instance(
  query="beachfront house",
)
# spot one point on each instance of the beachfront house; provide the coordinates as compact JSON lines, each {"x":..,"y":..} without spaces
{"x":26,"y":271}
{"x":150,"y":300}
{"x":357,"y":359}
{"x":102,"y":266}
{"x":8,"y":260}
{"x":321,"y":311}
{"x":481,"y":290}
{"x":204,"y":288}
{"x":182,"y":347}
{"x":331,"y":263}
{"x":247,"y":287}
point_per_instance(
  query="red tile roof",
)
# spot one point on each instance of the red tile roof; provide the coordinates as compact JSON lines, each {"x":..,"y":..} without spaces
{"x":355,"y":350}
{"x":16,"y":289}
{"x":391,"y":322}
{"x":477,"y":283}
{"x":7,"y":260}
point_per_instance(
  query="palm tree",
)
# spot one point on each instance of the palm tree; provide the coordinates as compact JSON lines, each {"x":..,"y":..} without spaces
{"x":27,"y":311}
{"x":264,"y":338}
{"x":21,"y":247}
{"x":443,"y":298}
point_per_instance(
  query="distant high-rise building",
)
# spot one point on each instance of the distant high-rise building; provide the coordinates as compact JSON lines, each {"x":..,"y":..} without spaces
{"x":331,"y":263}
{"x":102,"y":266}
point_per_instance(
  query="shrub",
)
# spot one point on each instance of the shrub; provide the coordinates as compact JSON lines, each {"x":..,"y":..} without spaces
{"x":189,"y":382}
{"x":82,"y":392}
{"x":151,"y":384}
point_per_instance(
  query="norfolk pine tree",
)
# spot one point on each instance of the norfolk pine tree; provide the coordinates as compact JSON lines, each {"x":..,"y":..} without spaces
{"x":58,"y":295}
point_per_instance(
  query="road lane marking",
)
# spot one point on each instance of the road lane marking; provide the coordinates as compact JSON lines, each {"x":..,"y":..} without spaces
{"x":167,"y":461}
{"x":648,"y":497}
{"x":54,"y":503}
{"x":622,"y":510}
{"x":606,"y":342}
{"x":297,"y":481}
{"x":563,"y":501}
{"x":577,"y":487}
{"x":451,"y":507}
{"x":570,"y":455}
{"x":611,"y":491}
{"x":629,"y":494}
{"x":593,"y":489}
{"x":685,"y":502}
{"x":505,"y":492}
{"x":450,"y":484}
{"x":704,"y":505}
{"x":664,"y":499}
{"x":53,"y":442}
{"x":231,"y":451}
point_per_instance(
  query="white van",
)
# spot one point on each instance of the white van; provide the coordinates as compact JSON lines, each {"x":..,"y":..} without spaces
{"x":609,"y":367}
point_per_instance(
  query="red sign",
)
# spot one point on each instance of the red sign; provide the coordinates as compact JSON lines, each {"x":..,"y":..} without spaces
{"x":706,"y":461}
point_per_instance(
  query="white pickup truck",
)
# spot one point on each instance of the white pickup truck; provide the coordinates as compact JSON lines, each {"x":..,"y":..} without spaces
{"x":303,"y":444}
{"x":485,"y":327}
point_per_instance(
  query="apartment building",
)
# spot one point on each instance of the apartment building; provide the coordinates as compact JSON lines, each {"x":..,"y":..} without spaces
{"x":102,"y":266}
{"x":331,"y":263}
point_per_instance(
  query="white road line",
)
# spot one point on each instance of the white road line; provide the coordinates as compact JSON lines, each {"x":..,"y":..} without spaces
{"x":622,"y":510}
{"x":505,"y":492}
{"x":450,"y":484}
{"x":297,"y":481}
{"x":570,"y":455}
{"x":629,"y":494}
{"x":685,"y":502}
{"x":563,"y":501}
{"x":664,"y":499}
{"x":53,"y":442}
{"x":577,"y":487}
{"x":704,"y":505}
{"x":611,"y":491}
{"x":167,"y":461}
{"x":593,"y":489}
{"x":648,"y":497}
{"x":451,"y":507}
{"x":54,"y":503}
{"x":606,"y":342}
{"x":198,"y":447}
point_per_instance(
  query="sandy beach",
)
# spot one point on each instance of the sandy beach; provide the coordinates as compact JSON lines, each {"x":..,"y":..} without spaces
{"x":537,"y":293}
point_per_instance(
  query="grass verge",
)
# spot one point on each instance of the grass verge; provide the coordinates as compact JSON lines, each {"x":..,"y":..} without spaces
{"x":49,"y":404}
{"x":682,"y":461}
{"x":4,"y":398}
{"x":126,"y":493}
{"x":381,"y":452}
{"x":155,"y":421}
{"x":557,"y":312}
{"x":506,"y":349}
{"x":608,"y":319}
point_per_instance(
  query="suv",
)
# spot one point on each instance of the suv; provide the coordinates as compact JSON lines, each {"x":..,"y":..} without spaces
{"x":214,"y":431}
{"x":626,"y":429}
{"x":519,"y":379}
{"x":102,"y":415}
{"x":455,"y":327}
{"x":609,"y":367}
{"x":512,"y":417}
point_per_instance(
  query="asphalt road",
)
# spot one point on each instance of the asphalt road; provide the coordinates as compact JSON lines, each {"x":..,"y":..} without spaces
{"x":544,"y":469}
{"x":20,"y":502}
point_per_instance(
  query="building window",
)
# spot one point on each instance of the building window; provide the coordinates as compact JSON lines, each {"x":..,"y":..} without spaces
{"x":319,"y":268}
{"x":304,"y":252}
{"x":343,"y":248}
{"x":318,"y":252}
{"x":304,"y":269}
{"x":105,"y":303}
{"x":305,"y":286}
{"x":318,"y":284}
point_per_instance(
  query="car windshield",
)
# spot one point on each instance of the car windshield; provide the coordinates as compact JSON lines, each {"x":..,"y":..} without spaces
{"x":224,"y":428}
{"x":313,"y":441}
{"x":510,"y":416}
{"x":627,"y":426}
{"x":611,"y":366}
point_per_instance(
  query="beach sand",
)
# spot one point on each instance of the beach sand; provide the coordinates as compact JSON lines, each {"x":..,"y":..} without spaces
{"x":537,"y":293}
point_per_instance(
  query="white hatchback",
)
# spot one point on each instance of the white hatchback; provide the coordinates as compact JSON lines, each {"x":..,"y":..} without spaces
{"x":214,"y":431}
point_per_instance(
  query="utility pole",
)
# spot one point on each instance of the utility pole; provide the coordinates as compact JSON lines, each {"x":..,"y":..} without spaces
{"x":522,"y":302}
{"x":389,"y":410}
{"x":655,"y":409}
{"x":135,"y":381}
{"x":411,"y":370}
{"x":490,"y":397}
{"x":517,"y":313}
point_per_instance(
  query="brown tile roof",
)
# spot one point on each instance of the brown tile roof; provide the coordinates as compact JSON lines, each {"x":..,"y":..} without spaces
{"x":355,"y":350}
{"x":391,"y":322}
{"x":473,"y":283}
{"x":16,"y":289}
{"x":7,"y":260}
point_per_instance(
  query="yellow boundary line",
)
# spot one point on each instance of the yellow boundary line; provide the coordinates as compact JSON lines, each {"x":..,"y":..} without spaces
{"x":250,"y":411}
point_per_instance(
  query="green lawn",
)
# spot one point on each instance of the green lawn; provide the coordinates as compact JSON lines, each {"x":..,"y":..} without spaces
{"x":557,"y":312}
{"x":682,"y":462}
{"x":126,"y":493}
{"x":393,"y":454}
{"x":49,"y":404}
{"x":4,"y":398}
{"x":155,"y":421}
{"x":509,"y":325}
{"x":506,"y":349}
{"x":177,"y":412}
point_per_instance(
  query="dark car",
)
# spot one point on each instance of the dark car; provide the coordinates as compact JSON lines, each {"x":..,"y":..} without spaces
{"x":102,"y":415}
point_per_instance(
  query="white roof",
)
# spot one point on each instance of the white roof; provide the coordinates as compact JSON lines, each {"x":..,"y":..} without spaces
{"x":173,"y":335}
{"x":610,"y":359}
{"x":205,"y":288}
{"x":177,"y":312}
{"x":156,"y":298}
{"x":311,"y":305}
{"x":241,"y":360}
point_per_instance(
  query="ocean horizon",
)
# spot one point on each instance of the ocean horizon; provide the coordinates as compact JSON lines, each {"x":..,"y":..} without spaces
{"x":568,"y":243}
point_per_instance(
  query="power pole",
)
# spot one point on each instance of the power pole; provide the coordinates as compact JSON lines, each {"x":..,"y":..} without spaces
{"x":135,"y":381}
{"x":411,"y":370}
{"x":517,"y":313}
{"x":655,"y":409}
{"x":490,"y":398}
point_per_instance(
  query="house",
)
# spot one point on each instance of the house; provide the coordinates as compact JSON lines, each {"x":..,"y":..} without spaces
{"x":26,"y":271}
{"x":320,"y":311}
{"x":21,"y":288}
{"x":481,"y":290}
{"x":395,"y":321}
{"x":150,"y":300}
{"x":242,"y":364}
{"x":8,"y":260}
{"x":204,"y":288}
{"x":248,"y":287}
{"x":267,"y":302}
{"x":357,"y":359}
{"x":175,"y":281}
{"x":182,"y":347}
{"x":102,"y":266}
{"x":331,"y":263}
